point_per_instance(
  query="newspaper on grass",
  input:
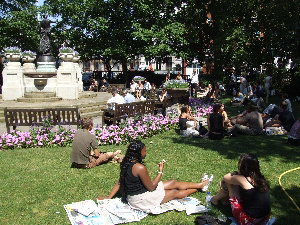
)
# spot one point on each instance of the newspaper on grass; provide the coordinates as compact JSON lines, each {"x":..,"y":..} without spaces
{"x":96,"y":217}
{"x":114,"y":211}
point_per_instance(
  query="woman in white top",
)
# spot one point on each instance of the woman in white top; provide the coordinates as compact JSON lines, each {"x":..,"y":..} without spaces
{"x":243,"y":85}
{"x":268,"y":84}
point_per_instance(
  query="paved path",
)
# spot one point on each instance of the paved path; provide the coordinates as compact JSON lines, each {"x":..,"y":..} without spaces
{"x":101,"y":97}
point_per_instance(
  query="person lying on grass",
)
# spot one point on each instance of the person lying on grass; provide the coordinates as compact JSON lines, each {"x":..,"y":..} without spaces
{"x":83,"y":144}
{"x":137,"y":188}
{"x":248,"y":192}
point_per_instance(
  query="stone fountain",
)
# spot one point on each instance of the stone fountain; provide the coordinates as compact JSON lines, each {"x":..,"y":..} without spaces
{"x":65,"y":82}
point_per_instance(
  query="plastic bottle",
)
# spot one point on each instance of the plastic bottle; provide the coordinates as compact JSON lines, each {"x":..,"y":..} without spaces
{"x":208,"y":201}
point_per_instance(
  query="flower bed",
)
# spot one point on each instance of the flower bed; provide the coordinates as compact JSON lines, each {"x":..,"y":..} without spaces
{"x":176,"y":84}
{"x":199,"y":108}
{"x":139,"y":78}
{"x":138,"y":128}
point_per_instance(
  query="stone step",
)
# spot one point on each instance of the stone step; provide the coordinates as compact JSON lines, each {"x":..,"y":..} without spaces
{"x":91,"y":109}
{"x":90,"y":104}
{"x":87,"y":94}
{"x":39,"y":94}
{"x":50,"y":99}
{"x":91,"y":114}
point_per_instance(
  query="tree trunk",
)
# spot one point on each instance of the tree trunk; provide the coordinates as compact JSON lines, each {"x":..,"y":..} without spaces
{"x":125,"y":72}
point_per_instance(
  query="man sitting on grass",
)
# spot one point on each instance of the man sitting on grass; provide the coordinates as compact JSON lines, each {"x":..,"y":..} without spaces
{"x":284,"y":119}
{"x":254,"y":123}
{"x":83,"y":144}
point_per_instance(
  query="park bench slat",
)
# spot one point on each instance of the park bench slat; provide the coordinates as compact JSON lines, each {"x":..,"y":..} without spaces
{"x":36,"y":116}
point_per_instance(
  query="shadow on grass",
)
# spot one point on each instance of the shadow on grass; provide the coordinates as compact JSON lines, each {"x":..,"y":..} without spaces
{"x":290,"y":214}
{"x":262,"y":146}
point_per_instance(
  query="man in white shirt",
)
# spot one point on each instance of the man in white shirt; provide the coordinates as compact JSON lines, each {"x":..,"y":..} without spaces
{"x":194,"y":82}
{"x":115,"y":99}
{"x":133,"y":86}
{"x":147,"y":88}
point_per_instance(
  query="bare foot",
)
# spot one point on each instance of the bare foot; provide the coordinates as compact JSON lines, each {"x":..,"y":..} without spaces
{"x":118,"y":152}
{"x":204,"y":182}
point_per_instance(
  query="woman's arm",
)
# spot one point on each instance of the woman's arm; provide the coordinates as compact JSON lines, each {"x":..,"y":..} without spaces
{"x":113,"y":192}
{"x":233,"y":178}
{"x":142,"y":172}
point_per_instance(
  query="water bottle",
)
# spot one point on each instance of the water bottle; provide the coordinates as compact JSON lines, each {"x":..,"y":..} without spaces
{"x":208,"y":202}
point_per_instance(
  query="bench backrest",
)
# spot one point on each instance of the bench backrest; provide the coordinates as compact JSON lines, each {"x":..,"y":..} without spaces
{"x":29,"y":117}
{"x":123,"y":111}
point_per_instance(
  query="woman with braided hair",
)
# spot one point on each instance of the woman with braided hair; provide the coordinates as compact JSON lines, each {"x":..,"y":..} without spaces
{"x":137,"y":188}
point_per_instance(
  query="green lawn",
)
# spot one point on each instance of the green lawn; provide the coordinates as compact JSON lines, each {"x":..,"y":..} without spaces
{"x":36,"y":183}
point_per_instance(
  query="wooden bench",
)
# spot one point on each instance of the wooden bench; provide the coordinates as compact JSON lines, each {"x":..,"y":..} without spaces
{"x":127,"y":110}
{"x":29,"y":117}
{"x":159,"y":106}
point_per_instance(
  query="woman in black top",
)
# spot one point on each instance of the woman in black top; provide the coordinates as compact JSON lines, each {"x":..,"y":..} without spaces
{"x":215,"y":123}
{"x":136,"y":186}
{"x":248,"y":192}
{"x":187,"y":122}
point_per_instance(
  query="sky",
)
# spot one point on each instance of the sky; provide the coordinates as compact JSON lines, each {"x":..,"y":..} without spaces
{"x":40,"y":2}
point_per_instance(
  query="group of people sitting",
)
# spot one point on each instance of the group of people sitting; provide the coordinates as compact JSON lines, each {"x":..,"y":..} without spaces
{"x":96,"y":87}
{"x":246,"y":189}
{"x":141,"y":91}
{"x":274,"y":119}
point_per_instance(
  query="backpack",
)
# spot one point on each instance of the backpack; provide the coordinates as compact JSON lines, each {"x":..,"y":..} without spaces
{"x":206,"y":219}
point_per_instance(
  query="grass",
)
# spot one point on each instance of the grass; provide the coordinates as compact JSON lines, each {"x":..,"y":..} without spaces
{"x":36,"y":183}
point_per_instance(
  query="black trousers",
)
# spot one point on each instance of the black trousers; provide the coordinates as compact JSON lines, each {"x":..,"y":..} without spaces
{"x":193,"y":88}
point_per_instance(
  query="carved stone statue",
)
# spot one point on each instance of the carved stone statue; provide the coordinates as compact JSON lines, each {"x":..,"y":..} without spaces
{"x":45,"y":47}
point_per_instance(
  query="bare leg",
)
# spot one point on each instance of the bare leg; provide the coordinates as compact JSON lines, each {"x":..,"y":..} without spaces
{"x":234,"y":190}
{"x":174,"y":193}
{"x":180,"y":185}
{"x":220,"y":196}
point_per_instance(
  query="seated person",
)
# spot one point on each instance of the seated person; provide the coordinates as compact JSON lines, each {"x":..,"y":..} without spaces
{"x":187,"y":123}
{"x":248,"y":192}
{"x":210,"y":97}
{"x":128,"y":97}
{"x":254,"y":123}
{"x":178,"y":77}
{"x":153,"y":87}
{"x":238,"y":98}
{"x":215,"y":123}
{"x":227,"y":123}
{"x":133,"y":85}
{"x":104,"y":84}
{"x":294,"y":135}
{"x":163,"y":85}
{"x":115,"y":99}
{"x":138,"y":90}
{"x":284,"y":119}
{"x":163,"y":99}
{"x":285,"y":97}
{"x":137,"y":188}
{"x":83,"y":144}
{"x":94,"y":85}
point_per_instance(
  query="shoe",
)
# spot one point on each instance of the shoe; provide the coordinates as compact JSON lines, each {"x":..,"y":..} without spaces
{"x":230,"y":135}
{"x":205,"y":188}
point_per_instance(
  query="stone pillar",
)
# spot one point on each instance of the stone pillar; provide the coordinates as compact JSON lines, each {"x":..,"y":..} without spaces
{"x":13,"y":81}
{"x":78,"y":73}
{"x":67,"y":85}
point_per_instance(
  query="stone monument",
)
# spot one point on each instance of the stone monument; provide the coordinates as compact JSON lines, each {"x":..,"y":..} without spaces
{"x":64,"y":81}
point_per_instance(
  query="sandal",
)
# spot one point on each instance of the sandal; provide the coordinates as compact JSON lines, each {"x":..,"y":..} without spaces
{"x":205,"y":188}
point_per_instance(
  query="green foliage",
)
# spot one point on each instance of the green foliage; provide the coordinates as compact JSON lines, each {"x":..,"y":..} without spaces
{"x":20,"y":28}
